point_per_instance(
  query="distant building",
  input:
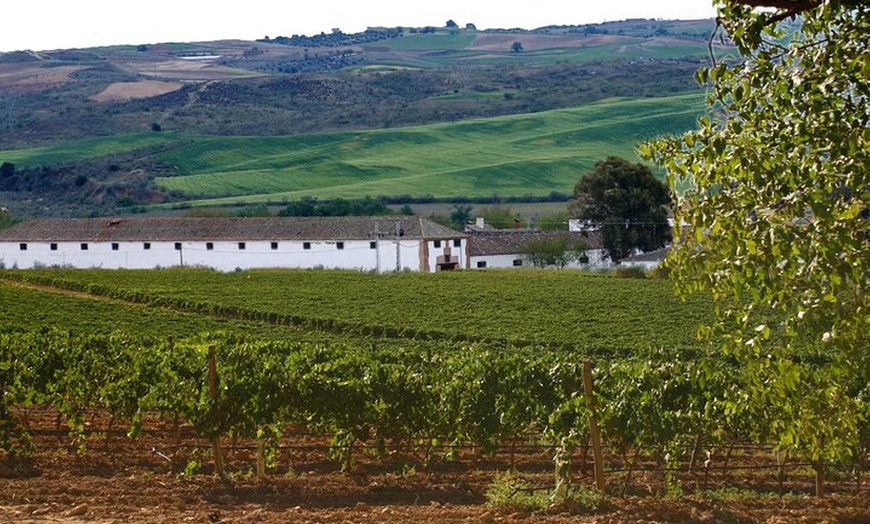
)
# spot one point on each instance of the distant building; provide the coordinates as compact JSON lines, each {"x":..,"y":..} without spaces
{"x":379,"y":244}
{"x":505,"y":248}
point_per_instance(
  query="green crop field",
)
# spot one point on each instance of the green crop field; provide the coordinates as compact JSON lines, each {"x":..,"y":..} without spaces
{"x":88,"y":148}
{"x":564,"y":308}
{"x":530,"y":154}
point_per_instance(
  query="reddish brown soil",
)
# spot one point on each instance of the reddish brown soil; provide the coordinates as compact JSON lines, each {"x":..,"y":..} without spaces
{"x":142,"y":481}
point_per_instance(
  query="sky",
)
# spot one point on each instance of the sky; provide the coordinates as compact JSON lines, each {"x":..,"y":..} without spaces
{"x":64,"y":24}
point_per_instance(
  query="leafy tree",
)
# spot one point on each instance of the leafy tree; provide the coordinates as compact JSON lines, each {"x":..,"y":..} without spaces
{"x":626,"y":203}
{"x":500,"y":217}
{"x":553,"y":222}
{"x":517,"y":47}
{"x":7,"y":169}
{"x":6,"y":218}
{"x":776,"y":205}
{"x":451,"y":24}
{"x":460,"y":215}
{"x":556,"y":251}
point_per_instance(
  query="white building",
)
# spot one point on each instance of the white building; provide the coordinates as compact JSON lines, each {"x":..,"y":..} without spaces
{"x":508,"y":248}
{"x":379,"y":244}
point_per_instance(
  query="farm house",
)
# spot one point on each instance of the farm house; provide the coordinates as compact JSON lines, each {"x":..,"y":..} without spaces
{"x":508,"y":248}
{"x":379,"y":244}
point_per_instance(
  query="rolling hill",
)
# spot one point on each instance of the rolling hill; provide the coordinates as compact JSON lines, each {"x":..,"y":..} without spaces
{"x":429,"y":111}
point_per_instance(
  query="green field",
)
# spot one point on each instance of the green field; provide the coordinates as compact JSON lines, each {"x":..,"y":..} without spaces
{"x":531,"y":154}
{"x":555,"y":308}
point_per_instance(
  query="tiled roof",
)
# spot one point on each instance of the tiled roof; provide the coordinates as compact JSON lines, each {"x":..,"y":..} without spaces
{"x":509,"y":242}
{"x":230,"y":229}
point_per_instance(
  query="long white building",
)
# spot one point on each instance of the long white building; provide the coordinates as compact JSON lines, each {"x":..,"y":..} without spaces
{"x":379,"y":244}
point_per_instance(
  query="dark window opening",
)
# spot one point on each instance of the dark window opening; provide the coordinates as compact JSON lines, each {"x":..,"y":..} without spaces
{"x":209,"y":246}
{"x":22,"y":247}
{"x":518,"y":262}
{"x":306,"y":245}
{"x":437,"y":244}
{"x":241,"y":245}
{"x":457,"y":243}
{"x":339,"y":245}
{"x":84,"y":246}
{"x":481,"y":264}
{"x":373,"y":245}
{"x":274,"y":245}
{"x":146,"y":245}
{"x":53,"y":247}
{"x":115,"y":246}
{"x":178,"y":246}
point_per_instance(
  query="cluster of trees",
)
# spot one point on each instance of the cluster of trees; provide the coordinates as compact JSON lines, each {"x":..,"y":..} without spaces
{"x":337,"y":38}
{"x":311,"y":207}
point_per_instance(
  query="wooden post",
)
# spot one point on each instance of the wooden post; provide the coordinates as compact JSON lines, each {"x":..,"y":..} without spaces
{"x":594,"y":432}
{"x":213,"y":393}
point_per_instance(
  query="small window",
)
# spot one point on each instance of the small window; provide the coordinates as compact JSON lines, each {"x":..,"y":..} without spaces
{"x":306,"y":245}
{"x":53,"y":246}
{"x":115,"y":246}
{"x":339,"y":245}
{"x":146,"y":246}
{"x":373,"y":245}
{"x":481,"y":264}
{"x":22,"y":247}
{"x":437,"y":244}
{"x":178,"y":246}
{"x":274,"y":246}
{"x":518,"y":262}
{"x":457,"y":242}
{"x":209,"y":246}
{"x":84,"y":246}
{"x":241,"y":246}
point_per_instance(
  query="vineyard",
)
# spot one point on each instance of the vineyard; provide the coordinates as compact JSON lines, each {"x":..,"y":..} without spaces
{"x":265,"y":374}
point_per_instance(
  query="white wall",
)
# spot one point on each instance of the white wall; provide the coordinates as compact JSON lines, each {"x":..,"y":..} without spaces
{"x":597,"y":260}
{"x":223,"y":255}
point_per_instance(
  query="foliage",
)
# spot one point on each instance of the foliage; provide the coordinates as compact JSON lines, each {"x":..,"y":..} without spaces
{"x":775,"y":194}
{"x":500,"y":217}
{"x":554,"y":250}
{"x":460,"y":216}
{"x":626,"y":203}
{"x":6,"y":218}
{"x":620,"y":317}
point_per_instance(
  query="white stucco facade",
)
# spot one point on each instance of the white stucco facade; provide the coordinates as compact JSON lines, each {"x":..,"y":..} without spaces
{"x":110,"y":246}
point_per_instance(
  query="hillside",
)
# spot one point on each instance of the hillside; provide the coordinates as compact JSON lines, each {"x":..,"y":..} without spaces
{"x":298,"y":86}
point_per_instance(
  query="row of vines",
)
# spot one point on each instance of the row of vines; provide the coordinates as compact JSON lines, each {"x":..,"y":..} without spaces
{"x":655,"y":404}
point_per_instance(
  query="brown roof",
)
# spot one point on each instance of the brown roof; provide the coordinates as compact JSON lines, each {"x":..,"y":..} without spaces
{"x":217,"y":229}
{"x":508,"y":242}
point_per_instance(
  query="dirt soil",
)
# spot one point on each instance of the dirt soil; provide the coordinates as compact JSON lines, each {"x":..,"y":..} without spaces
{"x":119,"y":480}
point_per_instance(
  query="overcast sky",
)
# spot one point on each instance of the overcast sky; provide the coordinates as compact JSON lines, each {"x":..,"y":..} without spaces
{"x":63,"y":24}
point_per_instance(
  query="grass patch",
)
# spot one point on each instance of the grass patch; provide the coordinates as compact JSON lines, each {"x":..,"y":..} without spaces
{"x":510,"y":156}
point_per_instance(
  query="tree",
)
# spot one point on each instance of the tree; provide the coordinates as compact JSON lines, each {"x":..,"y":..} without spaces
{"x":6,"y":218}
{"x":554,"y":250}
{"x":517,"y":47}
{"x":7,"y":169}
{"x":775,"y":196}
{"x":626,"y":203}
{"x":501,"y":217}
{"x":460,"y":215}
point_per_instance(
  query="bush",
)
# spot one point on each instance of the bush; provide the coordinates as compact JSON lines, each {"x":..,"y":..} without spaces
{"x":630,"y":272}
{"x":509,"y":490}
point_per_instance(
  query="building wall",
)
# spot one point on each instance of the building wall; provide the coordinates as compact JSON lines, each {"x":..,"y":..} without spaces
{"x":597,"y":260}
{"x":382,"y":256}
